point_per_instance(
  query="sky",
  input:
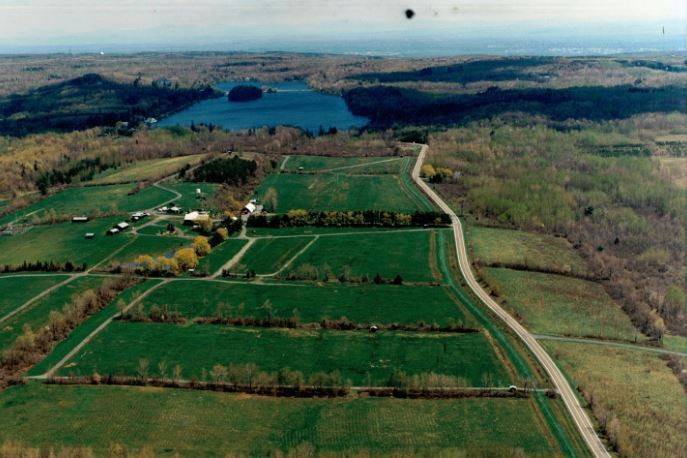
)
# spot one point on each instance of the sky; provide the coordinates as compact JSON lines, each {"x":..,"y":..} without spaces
{"x":321,"y":24}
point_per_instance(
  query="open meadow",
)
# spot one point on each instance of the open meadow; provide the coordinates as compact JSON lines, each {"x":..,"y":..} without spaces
{"x":268,"y":255}
{"x":336,"y":191}
{"x":346,"y":165}
{"x":92,"y":199}
{"x":530,"y":250}
{"x":361,"y":357}
{"x":192,"y":423}
{"x":37,"y":314}
{"x":633,"y":393}
{"x":16,"y":290}
{"x":381,"y":304}
{"x":190,"y":199}
{"x":560,"y":305}
{"x":220,"y":255}
{"x":147,"y":170}
{"x":409,"y":254}
{"x":63,"y":242}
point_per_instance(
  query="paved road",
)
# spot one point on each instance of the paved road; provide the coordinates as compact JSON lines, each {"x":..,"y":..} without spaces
{"x":566,"y":392}
{"x":610,"y":343}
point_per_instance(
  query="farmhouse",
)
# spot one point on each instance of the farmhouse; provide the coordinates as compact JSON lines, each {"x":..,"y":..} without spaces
{"x":139,"y":215}
{"x":195,"y":216}
{"x":249,"y":209}
{"x":79,"y":219}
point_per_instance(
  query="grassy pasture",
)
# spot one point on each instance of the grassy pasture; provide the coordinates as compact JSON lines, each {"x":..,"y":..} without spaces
{"x":147,"y":170}
{"x":212,"y":424}
{"x":151,"y":245}
{"x":62,"y":242}
{"x":17,"y":290}
{"x":76,"y":201}
{"x":37,"y":314}
{"x":560,"y":305}
{"x":634,"y":386}
{"x":676,"y":168}
{"x":85,"y":328}
{"x":361,"y":357}
{"x":399,"y":253}
{"x":317,"y":230}
{"x":221,"y":254}
{"x":346,"y":165}
{"x":335,"y":191}
{"x":189,"y":200}
{"x":538,"y":251}
{"x":675,"y":343}
{"x":268,"y":255}
{"x":363,"y":303}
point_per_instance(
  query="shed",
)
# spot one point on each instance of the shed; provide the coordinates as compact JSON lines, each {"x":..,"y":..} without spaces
{"x":89,"y":235}
{"x":175,"y":209}
{"x":249,"y":208}
{"x":112,"y":231}
{"x":79,"y":219}
{"x":123,"y":225}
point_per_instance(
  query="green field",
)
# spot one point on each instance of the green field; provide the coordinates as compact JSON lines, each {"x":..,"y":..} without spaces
{"x":537,"y":251}
{"x":147,"y":170}
{"x":268,"y":255}
{"x":319,"y":230}
{"x":17,"y":290}
{"x":37,"y":314}
{"x":340,"y":192}
{"x":560,"y":305}
{"x":190,"y":423}
{"x":407,"y":254}
{"x":675,"y":343}
{"x":346,"y":165}
{"x":634,"y":386}
{"x":362,"y":357}
{"x":91,"y":323}
{"x":151,"y":245}
{"x":62,"y":242}
{"x":189,"y":199}
{"x":85,"y":200}
{"x":362,"y":303}
{"x":221,"y":254}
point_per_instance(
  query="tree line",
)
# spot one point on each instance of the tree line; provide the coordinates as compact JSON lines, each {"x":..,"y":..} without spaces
{"x":349,"y":218}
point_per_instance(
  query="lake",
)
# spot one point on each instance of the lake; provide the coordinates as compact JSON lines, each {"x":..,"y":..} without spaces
{"x":295,"y":104}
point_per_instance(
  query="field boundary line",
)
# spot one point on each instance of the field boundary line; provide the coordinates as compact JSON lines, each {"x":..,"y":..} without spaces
{"x":234,"y":259}
{"x":283,"y":164}
{"x":609,"y":343}
{"x":293,"y":258}
{"x":96,"y":331}
{"x":40,"y":296}
{"x":346,"y":167}
{"x":362,"y":232}
{"x":572,"y":403}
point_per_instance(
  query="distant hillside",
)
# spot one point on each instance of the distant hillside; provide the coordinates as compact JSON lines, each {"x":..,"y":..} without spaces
{"x":90,"y":101}
{"x":388,"y":105}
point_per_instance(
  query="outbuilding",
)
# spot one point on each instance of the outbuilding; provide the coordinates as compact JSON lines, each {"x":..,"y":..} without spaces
{"x":112,"y":231}
{"x":122,"y":226}
{"x":195,"y":216}
{"x":89,"y":235}
{"x":249,"y":209}
{"x":79,"y":219}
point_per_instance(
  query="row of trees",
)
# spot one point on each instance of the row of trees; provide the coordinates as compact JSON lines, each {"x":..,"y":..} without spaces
{"x":43,"y":266}
{"x":622,"y":214}
{"x":349,"y":218}
{"x":183,"y":259}
{"x":32,"y":345}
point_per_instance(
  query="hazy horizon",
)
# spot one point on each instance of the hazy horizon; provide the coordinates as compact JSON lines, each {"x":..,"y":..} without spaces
{"x":437,"y":28}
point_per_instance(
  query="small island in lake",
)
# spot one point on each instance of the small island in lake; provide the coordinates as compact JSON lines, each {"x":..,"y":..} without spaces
{"x":244,"y":93}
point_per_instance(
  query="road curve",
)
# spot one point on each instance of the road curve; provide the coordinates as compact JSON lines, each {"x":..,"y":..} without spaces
{"x":566,"y":392}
